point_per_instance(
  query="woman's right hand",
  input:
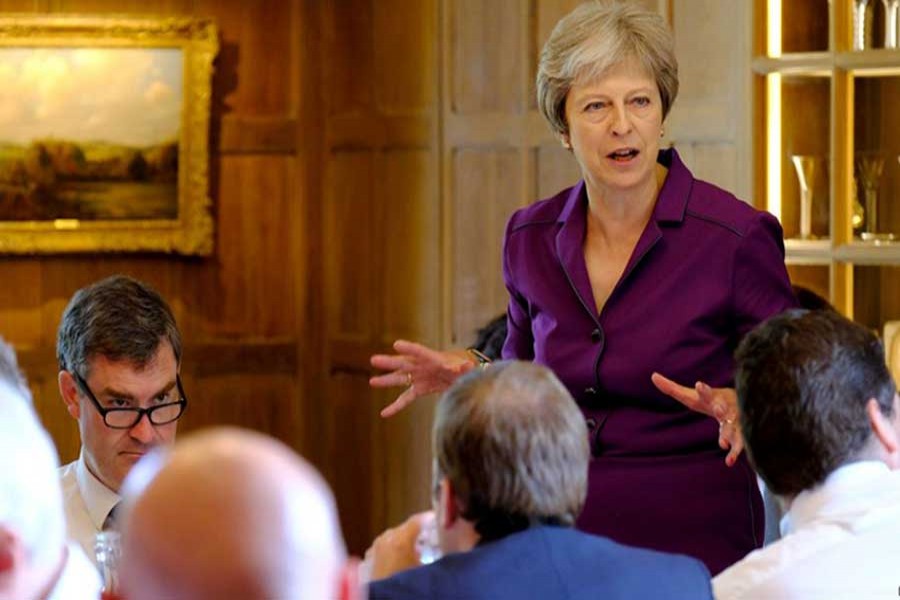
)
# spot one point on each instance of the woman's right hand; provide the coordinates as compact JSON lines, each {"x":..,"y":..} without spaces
{"x":422,"y":370}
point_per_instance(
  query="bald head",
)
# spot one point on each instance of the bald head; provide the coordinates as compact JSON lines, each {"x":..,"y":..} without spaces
{"x":230,"y":514}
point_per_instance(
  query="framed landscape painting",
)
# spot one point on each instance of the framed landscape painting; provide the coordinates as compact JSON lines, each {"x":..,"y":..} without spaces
{"x":104,"y":126}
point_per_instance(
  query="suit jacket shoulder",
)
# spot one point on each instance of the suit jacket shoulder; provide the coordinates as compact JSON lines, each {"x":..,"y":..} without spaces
{"x":721,"y":208}
{"x":552,"y":562}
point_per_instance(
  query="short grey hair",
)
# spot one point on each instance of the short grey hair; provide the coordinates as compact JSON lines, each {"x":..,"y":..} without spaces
{"x":118,"y":317}
{"x":10,"y":373}
{"x":514,"y":446}
{"x":594,"y":38}
{"x":30,"y":496}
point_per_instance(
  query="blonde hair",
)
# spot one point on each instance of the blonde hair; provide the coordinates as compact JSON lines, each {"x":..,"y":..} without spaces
{"x":594,"y":38}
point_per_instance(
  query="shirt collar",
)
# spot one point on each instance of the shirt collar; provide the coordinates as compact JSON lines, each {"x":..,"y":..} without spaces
{"x":98,"y":498}
{"x":839,"y":496}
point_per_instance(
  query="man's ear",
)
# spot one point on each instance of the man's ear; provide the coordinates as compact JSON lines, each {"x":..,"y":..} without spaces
{"x":449,"y":506}
{"x":349,"y":583}
{"x":68,"y":389}
{"x":10,"y":553}
{"x":885,"y":430}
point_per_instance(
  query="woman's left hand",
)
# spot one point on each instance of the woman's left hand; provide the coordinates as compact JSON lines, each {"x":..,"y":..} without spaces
{"x":718,"y":403}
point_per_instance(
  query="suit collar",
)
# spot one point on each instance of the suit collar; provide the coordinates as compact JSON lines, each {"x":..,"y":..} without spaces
{"x":670,"y":207}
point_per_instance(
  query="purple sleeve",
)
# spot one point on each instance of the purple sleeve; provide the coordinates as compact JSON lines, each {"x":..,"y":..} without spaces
{"x":519,"y":339}
{"x":761,"y":286}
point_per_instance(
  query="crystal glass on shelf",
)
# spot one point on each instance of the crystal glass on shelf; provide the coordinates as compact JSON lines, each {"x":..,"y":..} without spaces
{"x":806,"y":172}
{"x":859,"y":24}
{"x":858,"y":218}
{"x":891,"y":16}
{"x":870,"y":167}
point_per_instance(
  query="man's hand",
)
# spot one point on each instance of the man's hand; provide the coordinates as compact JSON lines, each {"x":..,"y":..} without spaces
{"x":395,"y":549}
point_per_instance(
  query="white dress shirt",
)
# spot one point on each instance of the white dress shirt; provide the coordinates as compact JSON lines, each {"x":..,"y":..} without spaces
{"x":841,"y":540}
{"x":79,"y":579}
{"x":87,"y":502}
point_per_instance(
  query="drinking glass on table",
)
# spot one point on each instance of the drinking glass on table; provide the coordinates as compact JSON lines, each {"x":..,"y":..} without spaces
{"x":427,"y":546}
{"x":108,"y":550}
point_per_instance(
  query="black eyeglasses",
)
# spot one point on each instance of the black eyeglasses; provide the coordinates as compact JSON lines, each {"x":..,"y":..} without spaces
{"x":126,"y":418}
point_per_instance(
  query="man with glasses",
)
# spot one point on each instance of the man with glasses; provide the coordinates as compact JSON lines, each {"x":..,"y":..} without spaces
{"x":119,"y":354}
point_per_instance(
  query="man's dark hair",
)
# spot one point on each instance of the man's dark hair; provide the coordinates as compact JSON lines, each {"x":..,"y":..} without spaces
{"x":119,"y":318}
{"x":491,"y":337}
{"x":803,"y":381}
{"x":10,"y":373}
{"x":514,"y":445}
{"x":810,"y":299}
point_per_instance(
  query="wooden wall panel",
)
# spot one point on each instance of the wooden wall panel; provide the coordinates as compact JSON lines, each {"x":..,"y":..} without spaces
{"x":349,"y":272}
{"x":405,"y":77}
{"x":712,"y":111}
{"x":486,"y":191}
{"x":407,"y":186}
{"x":21,"y":324}
{"x":546,"y":14}
{"x":254,"y":75}
{"x":347,"y":42}
{"x":381,"y":242}
{"x":214,"y":401}
{"x":354,"y":443}
{"x":487,"y":55}
{"x":557,"y":169}
{"x":253,"y":281}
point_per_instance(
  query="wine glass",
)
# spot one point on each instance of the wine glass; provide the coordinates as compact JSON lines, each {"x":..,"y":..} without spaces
{"x":870,"y":167}
{"x":806,"y":172}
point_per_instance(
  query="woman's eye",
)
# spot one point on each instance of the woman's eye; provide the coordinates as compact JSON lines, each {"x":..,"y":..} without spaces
{"x":595,"y":106}
{"x":641,"y":101}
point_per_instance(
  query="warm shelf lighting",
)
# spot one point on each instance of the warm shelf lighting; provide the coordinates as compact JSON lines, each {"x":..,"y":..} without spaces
{"x":773,"y":146}
{"x":773,"y":27}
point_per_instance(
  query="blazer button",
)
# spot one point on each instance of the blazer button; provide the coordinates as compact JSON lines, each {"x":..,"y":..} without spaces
{"x":597,"y":336}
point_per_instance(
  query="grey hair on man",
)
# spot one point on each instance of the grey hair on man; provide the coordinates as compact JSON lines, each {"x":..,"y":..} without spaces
{"x":34,"y":559}
{"x":514,"y":447}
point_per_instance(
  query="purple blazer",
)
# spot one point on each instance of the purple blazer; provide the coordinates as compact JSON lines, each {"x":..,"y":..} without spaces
{"x":706,"y":270}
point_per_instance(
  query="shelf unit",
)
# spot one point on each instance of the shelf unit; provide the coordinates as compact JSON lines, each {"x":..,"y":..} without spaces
{"x":816,"y":97}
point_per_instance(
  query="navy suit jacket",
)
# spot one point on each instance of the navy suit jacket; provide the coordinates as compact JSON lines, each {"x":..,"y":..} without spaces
{"x":552,"y":562}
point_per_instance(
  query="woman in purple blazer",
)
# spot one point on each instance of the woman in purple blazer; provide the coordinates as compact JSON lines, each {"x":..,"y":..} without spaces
{"x":638,"y":270}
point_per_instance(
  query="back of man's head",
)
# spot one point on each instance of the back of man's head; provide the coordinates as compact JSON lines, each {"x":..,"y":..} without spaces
{"x":513,"y":444}
{"x":32,"y":525}
{"x":229,"y":514}
{"x":804,"y":380}
{"x":118,"y":317}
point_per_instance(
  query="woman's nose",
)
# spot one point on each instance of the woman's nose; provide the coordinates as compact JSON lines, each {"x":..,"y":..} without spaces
{"x":621,"y":121}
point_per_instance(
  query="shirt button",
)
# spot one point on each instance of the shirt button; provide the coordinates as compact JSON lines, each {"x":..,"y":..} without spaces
{"x":596,"y":336}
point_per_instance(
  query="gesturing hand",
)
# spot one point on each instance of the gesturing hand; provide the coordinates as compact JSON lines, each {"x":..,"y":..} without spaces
{"x":422,"y":370}
{"x":718,"y":403}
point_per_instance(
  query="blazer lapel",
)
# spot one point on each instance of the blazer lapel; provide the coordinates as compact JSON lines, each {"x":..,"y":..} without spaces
{"x":570,"y":249}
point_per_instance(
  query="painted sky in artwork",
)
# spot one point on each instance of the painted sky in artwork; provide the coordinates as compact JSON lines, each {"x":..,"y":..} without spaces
{"x":128,"y":96}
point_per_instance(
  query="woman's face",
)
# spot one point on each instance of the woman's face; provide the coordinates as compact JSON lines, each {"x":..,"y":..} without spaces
{"x":614,"y":128}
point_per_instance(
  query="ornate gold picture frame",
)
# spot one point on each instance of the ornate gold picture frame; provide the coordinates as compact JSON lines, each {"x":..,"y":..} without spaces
{"x":104,"y":134}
